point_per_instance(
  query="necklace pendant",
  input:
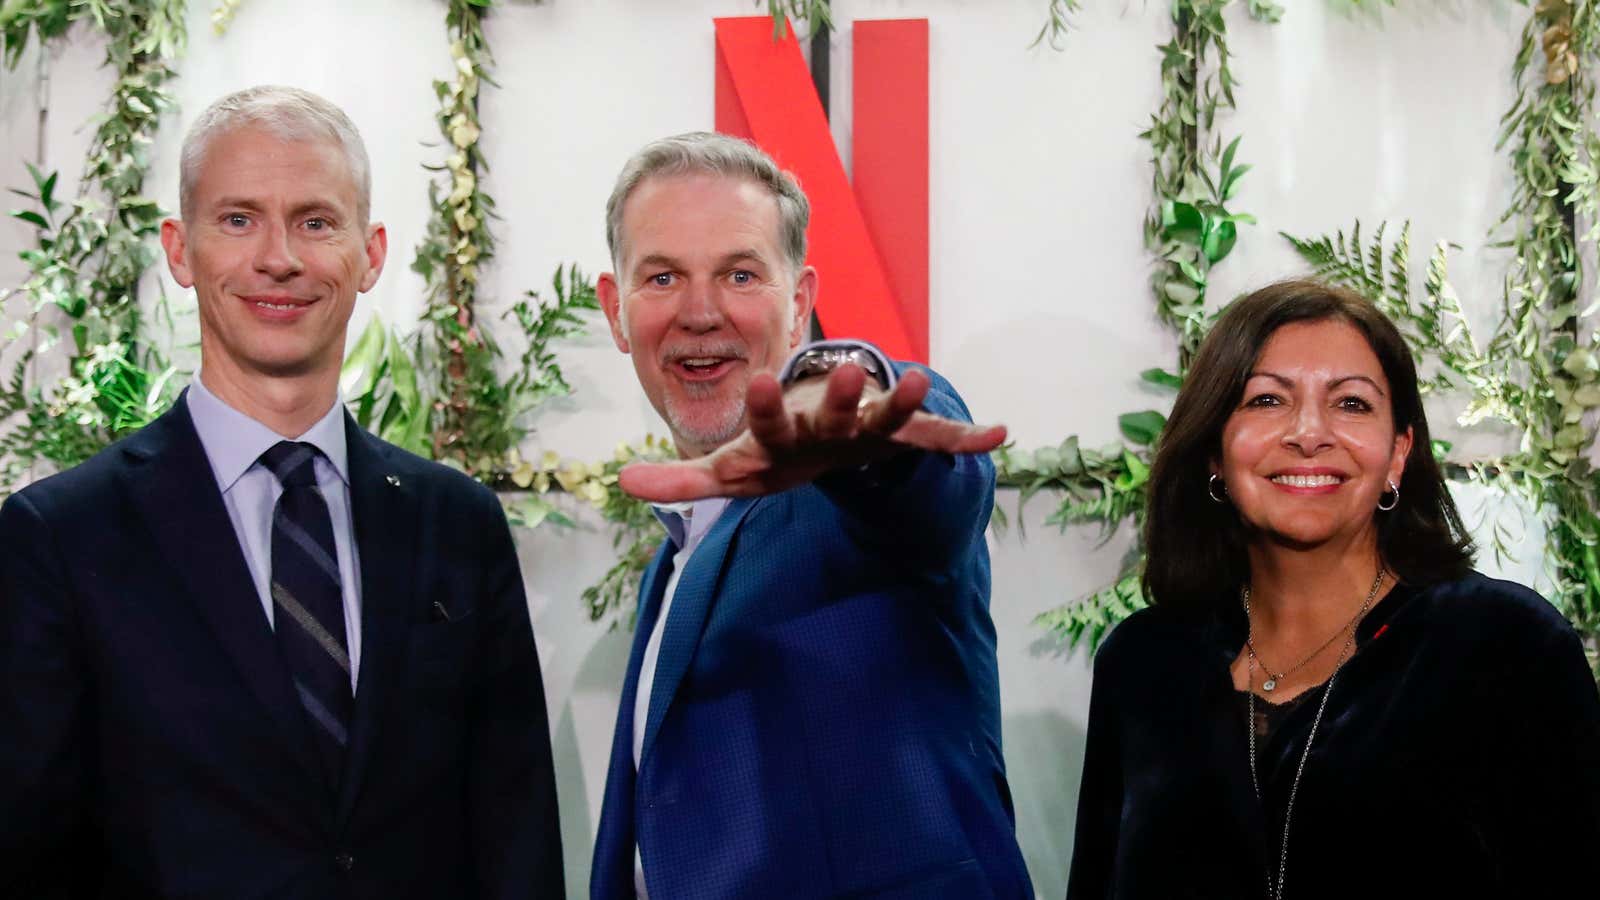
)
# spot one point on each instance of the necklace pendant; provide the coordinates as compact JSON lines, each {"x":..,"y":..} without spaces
{"x":1269,"y":684}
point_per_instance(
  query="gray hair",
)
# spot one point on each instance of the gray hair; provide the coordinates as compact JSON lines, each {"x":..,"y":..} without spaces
{"x":716,"y":154}
{"x":289,"y":113}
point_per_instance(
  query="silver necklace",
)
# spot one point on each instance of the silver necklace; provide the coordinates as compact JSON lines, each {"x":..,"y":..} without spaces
{"x":1271,"y":682}
{"x":1275,"y":884}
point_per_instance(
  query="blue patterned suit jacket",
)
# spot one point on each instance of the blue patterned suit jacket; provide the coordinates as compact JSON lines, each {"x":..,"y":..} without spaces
{"x":825,"y":717}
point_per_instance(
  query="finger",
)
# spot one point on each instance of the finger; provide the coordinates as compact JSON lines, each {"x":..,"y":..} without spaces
{"x":930,"y":432}
{"x":887,"y":414}
{"x":837,"y":418}
{"x":765,"y":413}
{"x":669,"y":482}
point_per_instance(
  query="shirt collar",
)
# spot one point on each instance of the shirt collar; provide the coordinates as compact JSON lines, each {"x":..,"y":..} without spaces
{"x":234,"y":442}
{"x":687,"y":523}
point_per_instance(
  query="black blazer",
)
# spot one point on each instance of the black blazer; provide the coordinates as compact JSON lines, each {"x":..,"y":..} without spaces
{"x":152,"y":744}
{"x":1459,"y":757}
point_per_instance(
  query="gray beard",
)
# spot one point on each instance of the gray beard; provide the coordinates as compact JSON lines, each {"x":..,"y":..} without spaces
{"x":710,"y":436}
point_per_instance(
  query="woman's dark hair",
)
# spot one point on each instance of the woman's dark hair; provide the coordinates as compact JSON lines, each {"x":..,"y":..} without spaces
{"x":1196,"y":546}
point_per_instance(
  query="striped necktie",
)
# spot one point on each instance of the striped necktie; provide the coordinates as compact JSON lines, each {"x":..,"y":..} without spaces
{"x":308,"y":600}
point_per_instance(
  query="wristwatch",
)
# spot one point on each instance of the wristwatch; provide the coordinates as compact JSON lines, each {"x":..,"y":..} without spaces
{"x":825,"y":356}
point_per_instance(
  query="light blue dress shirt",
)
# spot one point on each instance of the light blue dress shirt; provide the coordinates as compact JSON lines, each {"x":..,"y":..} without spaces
{"x":233,"y":443}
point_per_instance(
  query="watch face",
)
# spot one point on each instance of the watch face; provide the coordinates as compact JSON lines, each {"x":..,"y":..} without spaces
{"x":823,"y":360}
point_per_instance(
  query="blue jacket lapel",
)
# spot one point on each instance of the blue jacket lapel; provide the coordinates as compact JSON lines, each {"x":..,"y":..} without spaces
{"x":613,"y":847}
{"x":686,"y":620}
{"x":385,"y":516}
{"x":171,"y":482}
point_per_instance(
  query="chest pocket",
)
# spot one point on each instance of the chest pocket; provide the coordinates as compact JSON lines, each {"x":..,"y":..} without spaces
{"x":438,"y":655}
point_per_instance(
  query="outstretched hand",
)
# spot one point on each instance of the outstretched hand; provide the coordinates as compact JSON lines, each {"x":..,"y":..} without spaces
{"x":816,"y":426}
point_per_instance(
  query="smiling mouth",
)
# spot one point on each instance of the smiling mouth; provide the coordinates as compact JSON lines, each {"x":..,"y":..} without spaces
{"x":278,"y":306}
{"x":1308,"y":481}
{"x":703,"y":368}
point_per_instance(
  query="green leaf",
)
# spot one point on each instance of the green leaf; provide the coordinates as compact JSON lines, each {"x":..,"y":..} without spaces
{"x":1188,"y":269}
{"x":30,"y":217}
{"x":1180,"y":292}
{"x":1162,"y":377}
{"x":1142,"y":428}
{"x":1227,"y":155}
{"x":1230,"y":182}
{"x":1181,"y":222}
{"x":403,"y":375}
{"x":359,"y":374}
{"x":1136,"y":474}
{"x":1219,"y":240}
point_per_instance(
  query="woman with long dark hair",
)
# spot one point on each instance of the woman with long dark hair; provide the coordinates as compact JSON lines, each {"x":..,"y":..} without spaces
{"x":1324,"y":699}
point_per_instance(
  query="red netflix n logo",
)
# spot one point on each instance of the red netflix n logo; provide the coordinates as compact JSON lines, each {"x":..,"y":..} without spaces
{"x":868,"y":243}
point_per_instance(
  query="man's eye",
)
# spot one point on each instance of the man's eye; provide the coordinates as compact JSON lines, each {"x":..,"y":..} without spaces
{"x":317,"y":224}
{"x":742,"y":277}
{"x":237,"y":220}
{"x":661,"y":279}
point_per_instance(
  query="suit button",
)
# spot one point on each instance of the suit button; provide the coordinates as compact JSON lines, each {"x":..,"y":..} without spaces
{"x":345,"y":862}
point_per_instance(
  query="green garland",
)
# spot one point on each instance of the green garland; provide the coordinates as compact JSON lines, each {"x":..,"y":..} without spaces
{"x":90,"y":253}
{"x":438,"y":392}
{"x":1189,"y":230}
{"x":1540,"y":370}
{"x":817,"y":14}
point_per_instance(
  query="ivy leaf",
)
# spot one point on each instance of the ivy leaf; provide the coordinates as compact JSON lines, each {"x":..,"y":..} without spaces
{"x":1142,"y":428}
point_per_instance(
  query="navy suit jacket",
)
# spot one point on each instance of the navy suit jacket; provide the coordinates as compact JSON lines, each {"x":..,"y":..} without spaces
{"x":825,"y":716}
{"x":153,"y":745}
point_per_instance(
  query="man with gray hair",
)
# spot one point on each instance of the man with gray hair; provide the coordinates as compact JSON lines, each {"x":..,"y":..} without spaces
{"x":252,"y":650}
{"x":811,"y":708}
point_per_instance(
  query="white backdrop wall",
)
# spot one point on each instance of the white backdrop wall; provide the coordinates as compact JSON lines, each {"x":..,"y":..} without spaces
{"x":1040,"y":310}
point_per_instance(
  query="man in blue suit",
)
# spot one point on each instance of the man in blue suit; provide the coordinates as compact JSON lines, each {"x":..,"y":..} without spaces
{"x":811,"y":708}
{"x":253,"y":651}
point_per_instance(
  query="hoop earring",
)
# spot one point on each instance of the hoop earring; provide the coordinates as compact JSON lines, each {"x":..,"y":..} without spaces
{"x":1211,"y":489}
{"x":1394,"y":490}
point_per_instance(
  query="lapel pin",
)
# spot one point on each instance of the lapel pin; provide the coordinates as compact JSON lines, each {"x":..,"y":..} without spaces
{"x":394,"y":480}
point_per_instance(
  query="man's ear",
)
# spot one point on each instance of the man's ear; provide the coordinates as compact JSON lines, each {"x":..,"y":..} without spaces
{"x":377,"y":251}
{"x":611,"y":302}
{"x":805,"y":300}
{"x":176,"y":244}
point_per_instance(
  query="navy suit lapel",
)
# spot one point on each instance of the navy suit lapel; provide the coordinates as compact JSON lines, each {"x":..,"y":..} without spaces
{"x":384,"y":510}
{"x":171,"y":482}
{"x":686,"y":620}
